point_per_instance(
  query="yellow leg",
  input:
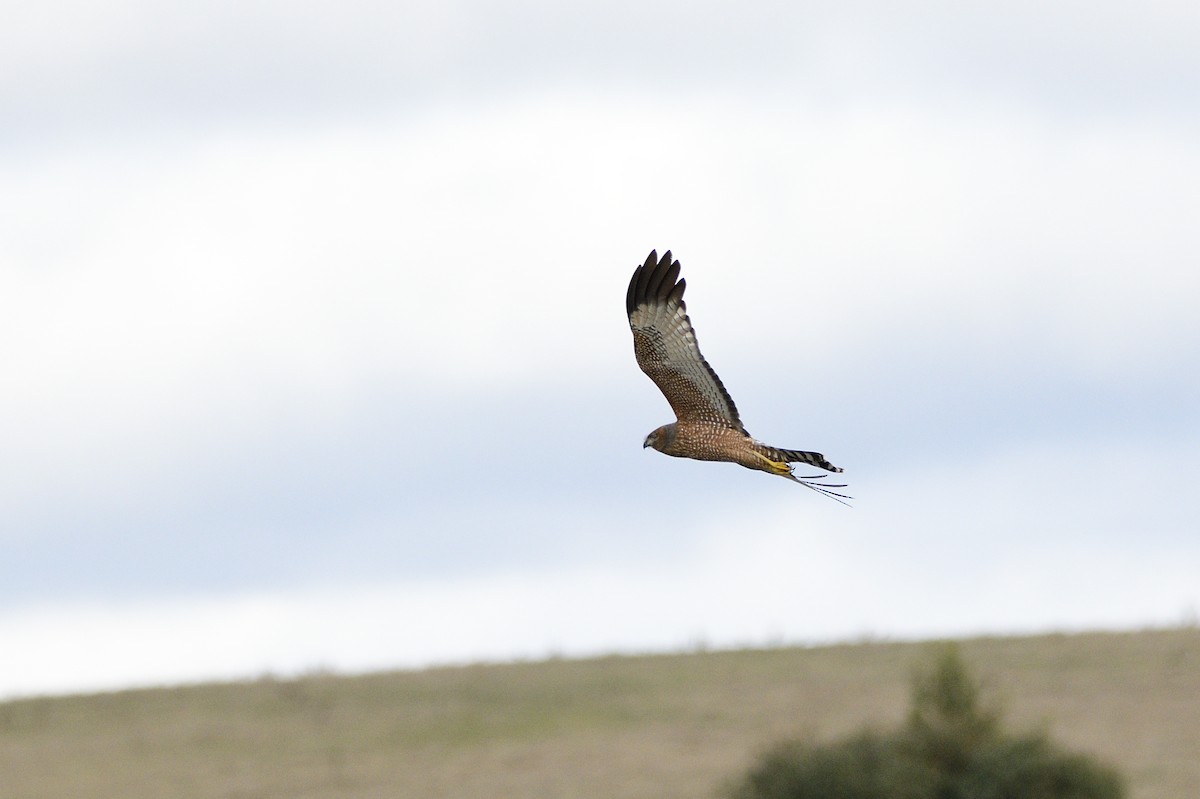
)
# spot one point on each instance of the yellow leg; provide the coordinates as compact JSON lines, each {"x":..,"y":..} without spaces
{"x":774,"y":467}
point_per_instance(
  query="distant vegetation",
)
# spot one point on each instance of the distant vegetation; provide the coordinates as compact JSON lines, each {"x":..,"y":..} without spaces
{"x":949,"y":748}
{"x":619,"y":727}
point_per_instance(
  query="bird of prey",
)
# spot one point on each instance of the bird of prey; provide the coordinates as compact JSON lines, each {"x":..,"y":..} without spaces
{"x":707,"y":425}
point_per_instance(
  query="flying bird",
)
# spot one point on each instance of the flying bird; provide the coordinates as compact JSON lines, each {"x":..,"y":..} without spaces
{"x":707,"y":426}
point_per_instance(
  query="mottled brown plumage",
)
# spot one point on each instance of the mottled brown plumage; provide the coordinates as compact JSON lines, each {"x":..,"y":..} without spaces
{"x":707,"y":425}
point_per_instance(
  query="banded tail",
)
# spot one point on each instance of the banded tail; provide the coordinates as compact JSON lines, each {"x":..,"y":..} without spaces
{"x":799,"y":456}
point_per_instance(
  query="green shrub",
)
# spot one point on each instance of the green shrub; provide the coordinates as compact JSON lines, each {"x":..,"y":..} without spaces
{"x":865,"y":766}
{"x":950,"y":748}
{"x":1033,"y":768}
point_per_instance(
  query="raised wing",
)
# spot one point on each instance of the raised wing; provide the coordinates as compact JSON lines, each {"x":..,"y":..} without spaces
{"x":666,"y":349}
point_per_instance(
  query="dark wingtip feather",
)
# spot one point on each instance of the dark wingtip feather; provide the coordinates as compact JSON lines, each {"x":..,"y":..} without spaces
{"x":644,"y":273}
{"x":664,"y":281}
{"x":630,"y":299}
{"x":676,"y":294}
{"x":633,"y":294}
{"x":653,"y":281}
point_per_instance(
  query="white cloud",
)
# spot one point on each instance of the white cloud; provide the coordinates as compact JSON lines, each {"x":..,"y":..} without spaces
{"x":898,"y":214}
{"x":73,"y":70}
{"x":160,"y":300}
{"x":922,"y":555}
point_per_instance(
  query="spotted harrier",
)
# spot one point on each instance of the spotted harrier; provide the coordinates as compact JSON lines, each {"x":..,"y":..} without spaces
{"x":707,"y":426}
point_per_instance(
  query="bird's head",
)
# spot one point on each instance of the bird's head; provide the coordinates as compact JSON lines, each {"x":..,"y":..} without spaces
{"x":661,"y":438}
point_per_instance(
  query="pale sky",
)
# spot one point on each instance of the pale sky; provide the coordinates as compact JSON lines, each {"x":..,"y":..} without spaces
{"x":315,"y":356}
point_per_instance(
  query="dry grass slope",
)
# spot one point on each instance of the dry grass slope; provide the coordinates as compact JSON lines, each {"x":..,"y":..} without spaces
{"x":663,"y":726}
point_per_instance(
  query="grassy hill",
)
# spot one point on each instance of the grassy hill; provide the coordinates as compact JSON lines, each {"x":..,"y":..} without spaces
{"x":648,"y":726}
